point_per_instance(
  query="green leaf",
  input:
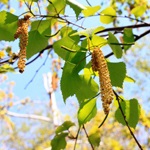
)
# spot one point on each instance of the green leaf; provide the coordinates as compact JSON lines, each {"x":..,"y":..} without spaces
{"x":94,"y":139}
{"x":131,"y":110}
{"x":114,"y":44}
{"x":7,"y":18}
{"x":36,"y":43}
{"x":107,"y":15}
{"x":65,"y":126}
{"x":98,"y":41}
{"x":67,"y":32}
{"x":138,"y":11}
{"x":87,"y":111}
{"x":87,"y":89}
{"x":69,"y":81}
{"x":117,"y":73}
{"x":128,"y":38}
{"x":89,"y":11}
{"x":6,"y":68}
{"x":69,"y":44}
{"x":43,"y":27}
{"x":77,"y":7}
{"x":56,"y":7}
{"x":8,"y":26}
{"x":59,"y":141}
{"x":129,"y":79}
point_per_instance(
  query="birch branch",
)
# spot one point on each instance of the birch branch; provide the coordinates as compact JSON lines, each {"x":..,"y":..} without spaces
{"x":29,"y":116}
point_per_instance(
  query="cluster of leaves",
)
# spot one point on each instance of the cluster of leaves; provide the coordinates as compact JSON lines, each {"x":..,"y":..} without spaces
{"x":75,"y":47}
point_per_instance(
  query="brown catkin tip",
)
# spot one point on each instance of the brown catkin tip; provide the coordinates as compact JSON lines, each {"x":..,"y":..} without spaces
{"x":22,"y":34}
{"x":99,"y":64}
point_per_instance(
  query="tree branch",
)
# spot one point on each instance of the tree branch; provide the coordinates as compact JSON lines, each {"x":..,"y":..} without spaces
{"x":29,"y":116}
{"x":121,"y":28}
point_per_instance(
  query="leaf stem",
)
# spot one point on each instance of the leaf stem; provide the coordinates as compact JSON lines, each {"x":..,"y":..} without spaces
{"x":76,"y":138}
{"x":88,"y":137}
{"x":103,"y":120}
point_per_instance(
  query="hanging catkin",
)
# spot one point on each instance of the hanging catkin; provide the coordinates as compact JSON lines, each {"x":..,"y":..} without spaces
{"x":22,"y":34}
{"x":99,"y":64}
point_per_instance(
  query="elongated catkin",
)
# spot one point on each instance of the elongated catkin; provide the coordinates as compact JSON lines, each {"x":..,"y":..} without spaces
{"x":22,"y":34}
{"x":99,"y":64}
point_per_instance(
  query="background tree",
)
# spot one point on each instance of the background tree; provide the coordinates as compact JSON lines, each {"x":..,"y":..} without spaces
{"x":108,"y":34}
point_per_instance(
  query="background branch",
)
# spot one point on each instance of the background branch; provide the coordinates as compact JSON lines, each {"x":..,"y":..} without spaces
{"x":29,"y":116}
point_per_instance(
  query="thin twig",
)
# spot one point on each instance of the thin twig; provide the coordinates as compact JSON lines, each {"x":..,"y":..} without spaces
{"x":39,"y":7}
{"x":76,"y":138}
{"x":126,"y":122}
{"x":88,"y":3}
{"x":88,"y":137}
{"x":141,"y":35}
{"x":36,"y":72}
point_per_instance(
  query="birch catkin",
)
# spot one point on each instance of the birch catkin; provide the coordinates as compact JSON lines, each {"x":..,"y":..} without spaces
{"x":99,"y":64}
{"x":22,"y":34}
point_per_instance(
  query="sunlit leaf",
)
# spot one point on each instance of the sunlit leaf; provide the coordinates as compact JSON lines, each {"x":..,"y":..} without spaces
{"x":117,"y":73}
{"x":8,"y":26}
{"x":129,"y":79}
{"x":36,"y":43}
{"x":138,"y":11}
{"x":89,"y":11}
{"x":98,"y":29}
{"x":128,"y":38}
{"x":107,"y":15}
{"x":65,"y":126}
{"x":59,"y":141}
{"x":98,"y":41}
{"x":87,"y":111}
{"x":131,"y":110}
{"x":114,"y":44}
{"x":43,"y":27}
{"x":56,"y":7}
{"x":88,"y":88}
{"x":7,"y":18}
{"x":6,"y":68}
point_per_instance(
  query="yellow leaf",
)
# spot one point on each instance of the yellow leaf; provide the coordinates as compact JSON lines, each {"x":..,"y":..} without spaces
{"x":138,"y":11}
{"x":107,"y":15}
{"x":2,"y":54}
